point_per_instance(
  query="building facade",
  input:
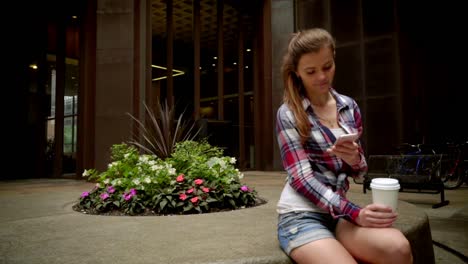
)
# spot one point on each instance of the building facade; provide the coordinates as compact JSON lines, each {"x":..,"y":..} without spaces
{"x":85,"y":66}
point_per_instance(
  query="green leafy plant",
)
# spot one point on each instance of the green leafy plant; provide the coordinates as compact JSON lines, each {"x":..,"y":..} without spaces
{"x":195,"y":178}
{"x":162,"y":131}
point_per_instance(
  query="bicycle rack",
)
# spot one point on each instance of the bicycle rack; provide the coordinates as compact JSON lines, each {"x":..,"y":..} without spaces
{"x":416,"y":173}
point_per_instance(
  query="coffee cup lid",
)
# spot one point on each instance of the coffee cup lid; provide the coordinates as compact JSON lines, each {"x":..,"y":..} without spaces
{"x":385,"y":184}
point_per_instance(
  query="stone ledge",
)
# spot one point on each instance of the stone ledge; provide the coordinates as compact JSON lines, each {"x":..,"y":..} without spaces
{"x":42,"y":228}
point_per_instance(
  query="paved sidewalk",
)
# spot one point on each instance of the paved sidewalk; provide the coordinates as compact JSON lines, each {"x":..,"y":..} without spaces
{"x":37,"y":225}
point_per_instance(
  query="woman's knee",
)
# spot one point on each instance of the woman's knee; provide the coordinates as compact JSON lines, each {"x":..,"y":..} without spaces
{"x":401,"y":247}
{"x":397,"y":249}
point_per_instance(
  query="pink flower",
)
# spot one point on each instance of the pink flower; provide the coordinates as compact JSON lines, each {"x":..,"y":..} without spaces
{"x":194,"y":199}
{"x":180,"y":178}
{"x":127,"y":196}
{"x":182,"y":196}
{"x":198,"y":181}
{"x":205,"y":189}
{"x":244,"y":188}
{"x":84,"y":194}
{"x":111,"y":189}
{"x":189,"y":191}
{"x":104,"y":196}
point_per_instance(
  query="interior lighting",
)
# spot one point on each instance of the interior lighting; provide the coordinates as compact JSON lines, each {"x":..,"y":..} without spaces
{"x":175,"y":72}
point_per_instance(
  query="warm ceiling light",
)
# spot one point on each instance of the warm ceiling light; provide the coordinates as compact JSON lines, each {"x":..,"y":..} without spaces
{"x":33,"y":66}
{"x":176,"y":72}
{"x":215,"y":58}
{"x":74,"y":17}
{"x":235,"y":63}
{"x":248,"y":50}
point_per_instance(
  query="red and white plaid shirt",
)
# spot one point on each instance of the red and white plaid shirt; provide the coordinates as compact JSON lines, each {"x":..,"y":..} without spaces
{"x":319,"y":176}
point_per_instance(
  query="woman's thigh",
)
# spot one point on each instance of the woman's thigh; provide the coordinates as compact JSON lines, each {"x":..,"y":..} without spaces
{"x":308,"y":237}
{"x":374,"y":245}
{"x":327,"y":250}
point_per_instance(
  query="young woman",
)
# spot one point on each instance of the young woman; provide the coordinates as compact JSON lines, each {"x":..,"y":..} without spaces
{"x":316,"y":223}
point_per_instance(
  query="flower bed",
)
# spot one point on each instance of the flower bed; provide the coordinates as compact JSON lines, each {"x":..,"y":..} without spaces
{"x":196,"y":178}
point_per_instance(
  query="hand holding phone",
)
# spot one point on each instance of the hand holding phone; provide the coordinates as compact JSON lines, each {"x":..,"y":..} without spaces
{"x":347,"y":137}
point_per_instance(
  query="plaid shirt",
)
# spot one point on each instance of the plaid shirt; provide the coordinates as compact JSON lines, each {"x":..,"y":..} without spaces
{"x":312,"y":172}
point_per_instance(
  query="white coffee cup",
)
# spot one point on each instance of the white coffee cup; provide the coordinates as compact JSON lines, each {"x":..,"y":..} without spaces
{"x":385,"y":191}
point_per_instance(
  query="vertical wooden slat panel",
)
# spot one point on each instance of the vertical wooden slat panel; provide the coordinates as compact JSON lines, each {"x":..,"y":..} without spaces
{"x":257,"y":83}
{"x":362,"y":66}
{"x":60,"y":92}
{"x":220,"y":17}
{"x":196,"y":52}
{"x":170,"y":51}
{"x":136,"y":67}
{"x":86,"y":91}
{"x":148,"y":82}
{"x":263,"y":95}
{"x":241,"y":94}
{"x":267,"y":125}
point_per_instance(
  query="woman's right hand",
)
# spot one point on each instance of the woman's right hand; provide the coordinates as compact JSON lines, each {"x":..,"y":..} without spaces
{"x":376,"y":215}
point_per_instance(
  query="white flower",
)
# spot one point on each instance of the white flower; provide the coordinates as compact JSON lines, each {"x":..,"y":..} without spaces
{"x":171,"y":171}
{"x":98,"y":185}
{"x":143,"y":158}
{"x":151,"y":162}
{"x":112,"y":164}
{"x":156,"y":167}
{"x":126,"y":155}
{"x":86,"y":173}
{"x":106,"y":181}
{"x":212,"y":161}
{"x":136,"y":181}
{"x":240,"y":175}
{"x":233,"y":160}
{"x":222,"y":163}
{"x":147,"y":180}
{"x":119,"y":182}
{"x":141,"y":187}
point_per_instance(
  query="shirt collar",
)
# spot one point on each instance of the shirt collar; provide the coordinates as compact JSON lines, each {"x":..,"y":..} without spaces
{"x":340,"y":102}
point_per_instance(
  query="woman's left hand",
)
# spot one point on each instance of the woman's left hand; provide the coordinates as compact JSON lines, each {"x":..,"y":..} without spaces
{"x":347,"y":151}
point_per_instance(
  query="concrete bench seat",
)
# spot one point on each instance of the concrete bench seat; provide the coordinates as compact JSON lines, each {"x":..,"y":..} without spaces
{"x":40,"y":226}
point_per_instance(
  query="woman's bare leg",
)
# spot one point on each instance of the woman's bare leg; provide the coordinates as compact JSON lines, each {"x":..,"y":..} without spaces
{"x":326,"y":251}
{"x":374,"y":245}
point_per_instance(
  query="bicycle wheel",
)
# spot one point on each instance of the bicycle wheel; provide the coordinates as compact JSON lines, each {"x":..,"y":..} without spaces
{"x":453,"y":180}
{"x":426,"y":166}
{"x":451,"y":175}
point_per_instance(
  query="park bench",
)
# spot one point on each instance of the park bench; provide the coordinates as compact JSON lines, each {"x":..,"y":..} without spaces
{"x":415,"y":173}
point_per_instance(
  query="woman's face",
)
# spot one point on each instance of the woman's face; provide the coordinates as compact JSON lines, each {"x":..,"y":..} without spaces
{"x":316,"y":70}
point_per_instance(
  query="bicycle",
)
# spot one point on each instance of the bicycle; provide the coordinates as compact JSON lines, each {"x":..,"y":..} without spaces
{"x":416,"y":167}
{"x":417,"y":160}
{"x":455,"y":165}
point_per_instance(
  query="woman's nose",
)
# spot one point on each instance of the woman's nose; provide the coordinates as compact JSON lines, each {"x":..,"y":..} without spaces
{"x":321,"y":75}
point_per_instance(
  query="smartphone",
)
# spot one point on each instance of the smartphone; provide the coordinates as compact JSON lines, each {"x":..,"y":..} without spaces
{"x":347,"y":137}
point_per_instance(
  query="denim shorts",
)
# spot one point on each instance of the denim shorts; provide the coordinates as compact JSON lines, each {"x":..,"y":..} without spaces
{"x":299,"y":228}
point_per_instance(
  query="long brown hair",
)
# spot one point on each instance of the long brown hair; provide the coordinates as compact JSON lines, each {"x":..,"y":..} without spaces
{"x":302,"y":42}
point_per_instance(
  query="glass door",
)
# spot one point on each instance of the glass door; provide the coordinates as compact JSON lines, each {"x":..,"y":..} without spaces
{"x":61,"y":89}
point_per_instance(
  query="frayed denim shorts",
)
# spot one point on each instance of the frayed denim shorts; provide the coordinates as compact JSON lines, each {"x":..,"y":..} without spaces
{"x":299,"y":228}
